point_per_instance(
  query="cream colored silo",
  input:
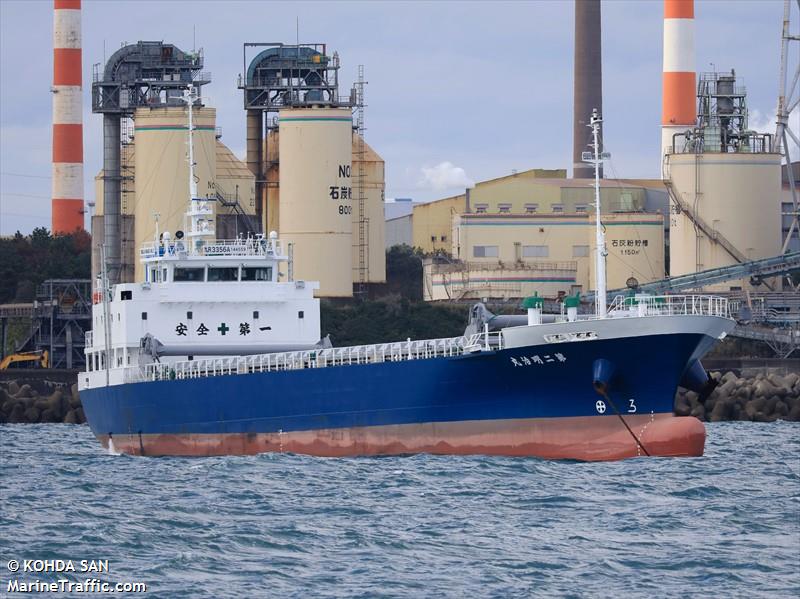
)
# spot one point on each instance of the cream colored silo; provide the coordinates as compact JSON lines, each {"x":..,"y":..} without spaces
{"x":374,"y":250}
{"x":316,"y":196}
{"x":162,"y":170}
{"x":728,"y":211}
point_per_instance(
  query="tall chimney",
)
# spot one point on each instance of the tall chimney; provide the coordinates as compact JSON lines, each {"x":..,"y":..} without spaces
{"x":67,"y":201}
{"x":678,"y":85}
{"x":588,"y":90}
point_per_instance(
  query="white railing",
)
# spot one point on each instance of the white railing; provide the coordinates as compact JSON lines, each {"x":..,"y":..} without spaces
{"x":669,"y":305}
{"x":322,"y":358}
{"x":249,"y":247}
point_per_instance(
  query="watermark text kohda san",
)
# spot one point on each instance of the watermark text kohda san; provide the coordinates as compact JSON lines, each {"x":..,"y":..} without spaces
{"x":91,"y":585}
{"x":39,"y":566}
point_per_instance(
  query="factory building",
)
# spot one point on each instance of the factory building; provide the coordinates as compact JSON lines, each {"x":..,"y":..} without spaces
{"x":399,"y":231}
{"x":503,"y":256}
{"x":399,"y":214}
{"x":533,"y":232}
{"x":535,"y":191}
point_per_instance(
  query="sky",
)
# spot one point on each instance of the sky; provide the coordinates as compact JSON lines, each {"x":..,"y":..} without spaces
{"x":457,"y":92}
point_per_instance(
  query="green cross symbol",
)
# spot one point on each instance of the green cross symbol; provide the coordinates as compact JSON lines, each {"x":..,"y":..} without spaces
{"x":223,"y":328}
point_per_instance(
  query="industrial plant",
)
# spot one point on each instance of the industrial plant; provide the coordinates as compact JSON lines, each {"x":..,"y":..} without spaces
{"x":309,"y":174}
{"x":722,"y":217}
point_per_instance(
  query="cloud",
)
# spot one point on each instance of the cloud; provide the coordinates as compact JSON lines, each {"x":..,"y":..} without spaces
{"x":444,"y":175}
{"x":763,"y":122}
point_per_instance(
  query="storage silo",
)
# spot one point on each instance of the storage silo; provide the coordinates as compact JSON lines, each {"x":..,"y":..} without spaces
{"x":724,"y":180}
{"x":162,"y":169}
{"x":730,"y":212}
{"x":316,"y":195}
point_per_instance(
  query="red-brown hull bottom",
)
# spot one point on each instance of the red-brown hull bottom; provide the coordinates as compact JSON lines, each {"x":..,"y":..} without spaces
{"x":585,"y":438}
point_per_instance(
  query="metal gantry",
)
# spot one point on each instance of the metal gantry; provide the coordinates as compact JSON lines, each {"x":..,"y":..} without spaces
{"x":145,"y":74}
{"x":59,"y":319}
{"x":282,"y":76}
{"x":788,"y":99}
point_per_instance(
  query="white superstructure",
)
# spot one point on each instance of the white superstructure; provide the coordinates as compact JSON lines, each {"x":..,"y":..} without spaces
{"x":222,"y":300}
{"x":201,"y":297}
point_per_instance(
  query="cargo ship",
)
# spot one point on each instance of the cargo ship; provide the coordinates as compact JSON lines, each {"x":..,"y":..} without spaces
{"x":214,"y":354}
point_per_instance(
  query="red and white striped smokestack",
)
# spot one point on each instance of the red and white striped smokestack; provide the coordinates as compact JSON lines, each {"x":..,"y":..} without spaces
{"x":678,"y":99}
{"x":67,"y":202}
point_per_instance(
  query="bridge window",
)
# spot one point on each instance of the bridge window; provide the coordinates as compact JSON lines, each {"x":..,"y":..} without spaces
{"x":256,"y":273}
{"x":188,"y":274}
{"x":223,"y":274}
{"x":126,"y":295}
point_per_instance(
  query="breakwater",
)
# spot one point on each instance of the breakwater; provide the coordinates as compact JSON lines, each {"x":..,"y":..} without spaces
{"x":760,"y":398}
{"x":769,"y":395}
{"x":40,"y":396}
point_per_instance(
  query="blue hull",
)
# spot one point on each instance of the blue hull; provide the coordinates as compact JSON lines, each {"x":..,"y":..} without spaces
{"x":522,"y":385}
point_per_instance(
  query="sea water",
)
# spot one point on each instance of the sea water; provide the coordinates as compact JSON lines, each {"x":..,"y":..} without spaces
{"x":724,"y":525}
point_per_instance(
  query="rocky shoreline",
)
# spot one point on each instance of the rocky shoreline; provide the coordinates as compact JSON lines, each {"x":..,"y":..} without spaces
{"x":26,"y":404}
{"x":760,"y":398}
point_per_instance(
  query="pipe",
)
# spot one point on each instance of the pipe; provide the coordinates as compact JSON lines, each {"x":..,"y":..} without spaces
{"x":67,"y":168}
{"x":255,"y":144}
{"x":112,"y":196}
{"x":232,"y":350}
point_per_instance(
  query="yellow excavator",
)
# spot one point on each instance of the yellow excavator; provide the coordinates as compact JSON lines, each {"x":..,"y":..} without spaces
{"x":36,"y":359}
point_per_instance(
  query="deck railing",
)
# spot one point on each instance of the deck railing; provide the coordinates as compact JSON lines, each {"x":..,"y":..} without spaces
{"x":246,"y":247}
{"x":321,"y":358}
{"x":669,"y":305}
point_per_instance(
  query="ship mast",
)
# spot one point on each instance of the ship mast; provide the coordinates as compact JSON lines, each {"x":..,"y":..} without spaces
{"x":600,"y":235}
{"x":199,"y":211}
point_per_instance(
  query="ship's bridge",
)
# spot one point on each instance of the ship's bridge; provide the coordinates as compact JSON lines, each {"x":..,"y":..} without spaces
{"x":245,"y":259}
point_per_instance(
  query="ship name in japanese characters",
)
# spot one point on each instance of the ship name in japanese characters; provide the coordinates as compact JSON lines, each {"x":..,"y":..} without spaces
{"x":536,"y":360}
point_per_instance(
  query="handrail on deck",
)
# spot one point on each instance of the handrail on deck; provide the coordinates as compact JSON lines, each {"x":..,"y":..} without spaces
{"x":247,"y":247}
{"x":670,"y":305}
{"x":323,"y":358}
